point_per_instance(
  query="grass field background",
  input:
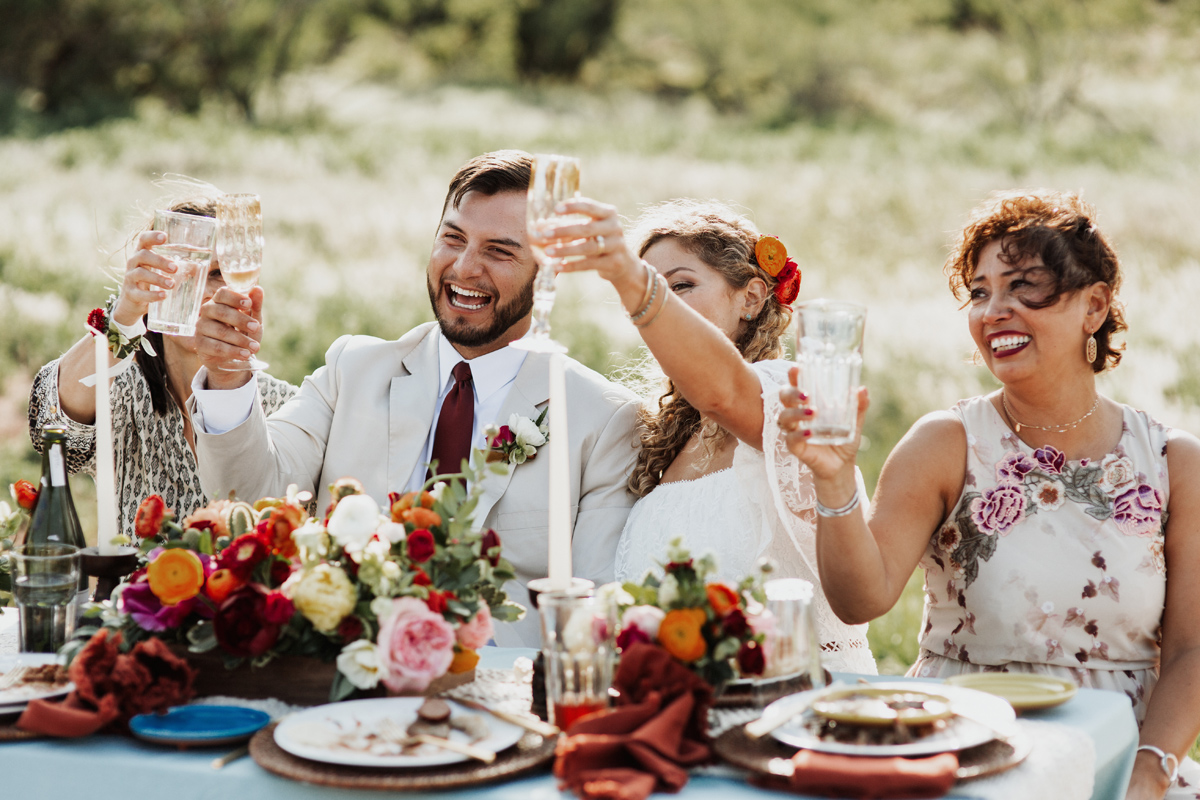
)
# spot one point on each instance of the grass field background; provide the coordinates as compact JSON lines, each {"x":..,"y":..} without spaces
{"x":352,"y":167}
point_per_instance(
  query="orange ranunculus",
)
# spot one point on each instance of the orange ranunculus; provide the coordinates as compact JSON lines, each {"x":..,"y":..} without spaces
{"x":407,"y":501}
{"x":421,"y":517}
{"x":679,"y":632}
{"x":721,"y":597}
{"x":464,"y":660}
{"x":176,"y":575}
{"x":276,"y":529}
{"x":221,"y":584}
{"x":770,"y":254}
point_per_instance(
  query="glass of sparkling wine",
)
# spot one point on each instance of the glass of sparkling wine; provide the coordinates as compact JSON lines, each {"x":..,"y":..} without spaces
{"x":553,"y":179}
{"x":45,"y":577}
{"x":829,"y":341}
{"x":189,"y":246}
{"x":239,"y":251}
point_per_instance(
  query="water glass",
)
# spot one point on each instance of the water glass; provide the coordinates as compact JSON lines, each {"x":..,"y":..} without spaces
{"x":792,"y":647}
{"x":579,"y":649}
{"x":190,"y":247}
{"x":829,"y":352}
{"x":45,"y":577}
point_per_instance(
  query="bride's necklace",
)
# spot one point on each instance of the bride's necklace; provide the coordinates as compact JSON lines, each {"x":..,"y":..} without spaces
{"x":1049,"y":428}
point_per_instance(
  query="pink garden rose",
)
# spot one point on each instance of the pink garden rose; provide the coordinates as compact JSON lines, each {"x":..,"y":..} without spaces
{"x":1138,"y":512}
{"x":998,"y":510}
{"x":415,"y":646}
{"x":477,"y":631}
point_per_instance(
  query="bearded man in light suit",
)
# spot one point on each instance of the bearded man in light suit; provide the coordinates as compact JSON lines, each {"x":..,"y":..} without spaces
{"x":372,"y":411}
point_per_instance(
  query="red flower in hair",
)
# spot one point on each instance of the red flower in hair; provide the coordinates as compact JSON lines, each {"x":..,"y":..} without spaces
{"x":98,"y":320}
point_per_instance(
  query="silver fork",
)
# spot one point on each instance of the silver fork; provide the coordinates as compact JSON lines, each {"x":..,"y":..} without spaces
{"x":11,"y":677}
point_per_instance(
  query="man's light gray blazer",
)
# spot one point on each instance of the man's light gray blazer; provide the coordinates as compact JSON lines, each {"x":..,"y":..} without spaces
{"x":367,"y":414}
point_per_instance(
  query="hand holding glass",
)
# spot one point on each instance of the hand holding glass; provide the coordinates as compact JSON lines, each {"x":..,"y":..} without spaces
{"x":45,"y":577}
{"x":239,"y":249}
{"x":553,"y":180}
{"x":829,"y":351}
{"x":189,"y":247}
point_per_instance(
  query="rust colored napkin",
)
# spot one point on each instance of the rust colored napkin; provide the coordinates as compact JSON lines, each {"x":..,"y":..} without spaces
{"x":867,"y":778}
{"x":111,"y":686}
{"x":648,"y":741}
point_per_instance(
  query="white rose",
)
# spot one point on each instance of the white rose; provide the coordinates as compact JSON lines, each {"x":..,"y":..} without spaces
{"x":668,"y":591}
{"x":526,"y":431}
{"x":359,"y":662}
{"x":311,"y":537}
{"x":354,"y":520}
{"x":392,"y":531}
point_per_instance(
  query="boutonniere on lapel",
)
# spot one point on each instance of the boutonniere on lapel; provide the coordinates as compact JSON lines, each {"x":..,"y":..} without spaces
{"x":518,"y":441}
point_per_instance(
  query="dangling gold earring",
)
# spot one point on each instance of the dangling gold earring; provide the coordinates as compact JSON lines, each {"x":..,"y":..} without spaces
{"x":1090,"y":349}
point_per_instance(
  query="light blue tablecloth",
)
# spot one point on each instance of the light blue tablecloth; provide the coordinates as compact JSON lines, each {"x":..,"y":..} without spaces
{"x":108,"y":767}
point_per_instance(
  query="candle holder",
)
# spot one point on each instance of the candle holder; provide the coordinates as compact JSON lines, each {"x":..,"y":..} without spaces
{"x":580,"y":587}
{"x":108,"y":569}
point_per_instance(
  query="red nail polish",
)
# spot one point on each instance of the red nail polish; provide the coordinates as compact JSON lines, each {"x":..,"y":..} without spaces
{"x":807,"y":434}
{"x":808,"y":412}
{"x":803,"y":397}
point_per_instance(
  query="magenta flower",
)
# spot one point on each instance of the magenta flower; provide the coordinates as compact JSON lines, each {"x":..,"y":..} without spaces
{"x":1138,"y":512}
{"x":997,"y":510}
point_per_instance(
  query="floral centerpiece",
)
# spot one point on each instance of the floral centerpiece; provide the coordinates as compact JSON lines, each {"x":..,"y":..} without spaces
{"x":715,"y":628}
{"x":397,"y":596}
{"x":12,"y":518}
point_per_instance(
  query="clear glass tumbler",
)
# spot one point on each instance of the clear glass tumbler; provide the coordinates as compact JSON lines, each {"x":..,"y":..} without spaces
{"x":45,"y":577}
{"x":579,"y":649}
{"x":829,"y":343}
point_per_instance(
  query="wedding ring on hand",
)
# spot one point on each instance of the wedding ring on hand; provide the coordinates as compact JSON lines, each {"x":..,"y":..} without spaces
{"x":599,"y":244}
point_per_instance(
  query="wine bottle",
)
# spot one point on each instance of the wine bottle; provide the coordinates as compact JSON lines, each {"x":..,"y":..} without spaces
{"x":53,"y":519}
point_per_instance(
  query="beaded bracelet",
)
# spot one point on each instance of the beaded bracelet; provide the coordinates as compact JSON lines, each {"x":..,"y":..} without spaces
{"x":1168,"y":761}
{"x":661,"y":306}
{"x":826,"y":511}
{"x":653,"y":284}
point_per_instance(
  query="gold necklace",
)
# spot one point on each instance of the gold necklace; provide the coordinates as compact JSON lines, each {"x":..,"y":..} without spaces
{"x":1049,"y":428}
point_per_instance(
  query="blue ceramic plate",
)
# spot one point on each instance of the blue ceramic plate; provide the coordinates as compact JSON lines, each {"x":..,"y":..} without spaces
{"x":199,"y":725}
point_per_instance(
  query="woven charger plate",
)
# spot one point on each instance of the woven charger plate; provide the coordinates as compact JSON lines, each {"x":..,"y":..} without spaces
{"x":531,"y":752}
{"x":11,"y":733}
{"x":755,"y":755}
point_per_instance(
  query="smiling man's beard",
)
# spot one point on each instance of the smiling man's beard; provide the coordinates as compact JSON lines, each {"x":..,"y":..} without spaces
{"x":504,"y":317}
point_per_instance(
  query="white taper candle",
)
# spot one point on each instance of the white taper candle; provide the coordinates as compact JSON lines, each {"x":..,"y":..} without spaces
{"x":559,"y":554}
{"x":106,"y":483}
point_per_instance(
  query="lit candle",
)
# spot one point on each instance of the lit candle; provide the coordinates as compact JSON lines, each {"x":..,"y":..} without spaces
{"x":106,"y":482}
{"x":560,"y":474}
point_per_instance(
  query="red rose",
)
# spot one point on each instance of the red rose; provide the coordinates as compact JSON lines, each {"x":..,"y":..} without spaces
{"x":350,"y":629}
{"x":786,"y":292}
{"x":148,"y":520}
{"x":280,"y":571}
{"x":241,"y":626}
{"x":26,"y":494}
{"x":278,"y":609}
{"x":490,"y":542}
{"x":506,"y":436}
{"x":243,"y":555}
{"x":420,"y":578}
{"x":750,"y":658}
{"x":420,"y":545}
{"x":97,"y":320}
{"x":735,"y":623}
{"x":438,"y":601}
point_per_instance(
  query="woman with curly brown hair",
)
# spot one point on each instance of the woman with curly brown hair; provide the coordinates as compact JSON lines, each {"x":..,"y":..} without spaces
{"x":1046,"y":516}
{"x":711,"y":298}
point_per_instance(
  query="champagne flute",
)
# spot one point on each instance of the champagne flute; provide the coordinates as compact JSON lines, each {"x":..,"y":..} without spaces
{"x":553,"y":180}
{"x":239,"y":247}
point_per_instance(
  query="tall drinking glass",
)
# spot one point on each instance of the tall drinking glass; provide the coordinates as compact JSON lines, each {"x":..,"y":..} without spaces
{"x":189,"y":246}
{"x":552,"y":180}
{"x":579,"y":648}
{"x":44,"y":585}
{"x":239,"y":250}
{"x":829,"y":352}
{"x":792,"y":646}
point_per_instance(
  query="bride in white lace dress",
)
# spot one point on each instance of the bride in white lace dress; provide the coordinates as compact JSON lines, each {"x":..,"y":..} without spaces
{"x":712,"y":299}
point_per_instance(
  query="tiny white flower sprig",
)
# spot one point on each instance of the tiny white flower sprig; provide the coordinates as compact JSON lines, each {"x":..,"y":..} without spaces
{"x":518,"y":441}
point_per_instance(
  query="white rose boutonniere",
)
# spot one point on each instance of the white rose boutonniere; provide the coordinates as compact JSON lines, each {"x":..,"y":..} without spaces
{"x":518,"y":441}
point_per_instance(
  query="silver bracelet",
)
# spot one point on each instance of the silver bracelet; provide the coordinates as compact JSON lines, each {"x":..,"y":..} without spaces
{"x":826,"y":511}
{"x":653,"y":273}
{"x":1168,"y":761}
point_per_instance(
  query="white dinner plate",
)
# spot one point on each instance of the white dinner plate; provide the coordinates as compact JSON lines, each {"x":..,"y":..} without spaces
{"x":15,"y":698}
{"x":958,"y":734}
{"x":325,"y":733}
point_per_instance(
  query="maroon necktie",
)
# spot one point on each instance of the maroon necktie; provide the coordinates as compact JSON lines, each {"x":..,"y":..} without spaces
{"x":456,"y":424}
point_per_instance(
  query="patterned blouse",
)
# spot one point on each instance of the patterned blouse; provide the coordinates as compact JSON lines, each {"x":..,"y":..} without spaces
{"x":152,"y":455}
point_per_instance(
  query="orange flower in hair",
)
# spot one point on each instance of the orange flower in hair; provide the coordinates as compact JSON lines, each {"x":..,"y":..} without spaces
{"x":680,"y":633}
{"x":771,"y":255}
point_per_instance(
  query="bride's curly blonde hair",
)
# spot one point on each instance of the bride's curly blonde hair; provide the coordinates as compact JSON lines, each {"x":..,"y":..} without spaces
{"x":724,"y":240}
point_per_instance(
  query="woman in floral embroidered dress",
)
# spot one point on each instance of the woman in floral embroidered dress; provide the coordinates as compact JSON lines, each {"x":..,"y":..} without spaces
{"x":712,"y":468}
{"x":1044,"y":514}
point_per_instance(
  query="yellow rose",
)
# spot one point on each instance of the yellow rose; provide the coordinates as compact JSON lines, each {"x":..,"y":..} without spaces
{"x":323,"y":594}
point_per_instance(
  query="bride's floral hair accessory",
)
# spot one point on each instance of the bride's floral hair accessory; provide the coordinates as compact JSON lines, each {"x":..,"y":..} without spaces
{"x":773,"y":259}
{"x":518,"y":441}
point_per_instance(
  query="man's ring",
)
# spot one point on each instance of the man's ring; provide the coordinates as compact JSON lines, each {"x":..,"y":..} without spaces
{"x":599,"y":244}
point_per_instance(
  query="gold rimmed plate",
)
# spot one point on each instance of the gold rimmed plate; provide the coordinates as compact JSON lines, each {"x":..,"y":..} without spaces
{"x":1023,"y":690}
{"x":872,"y":705}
